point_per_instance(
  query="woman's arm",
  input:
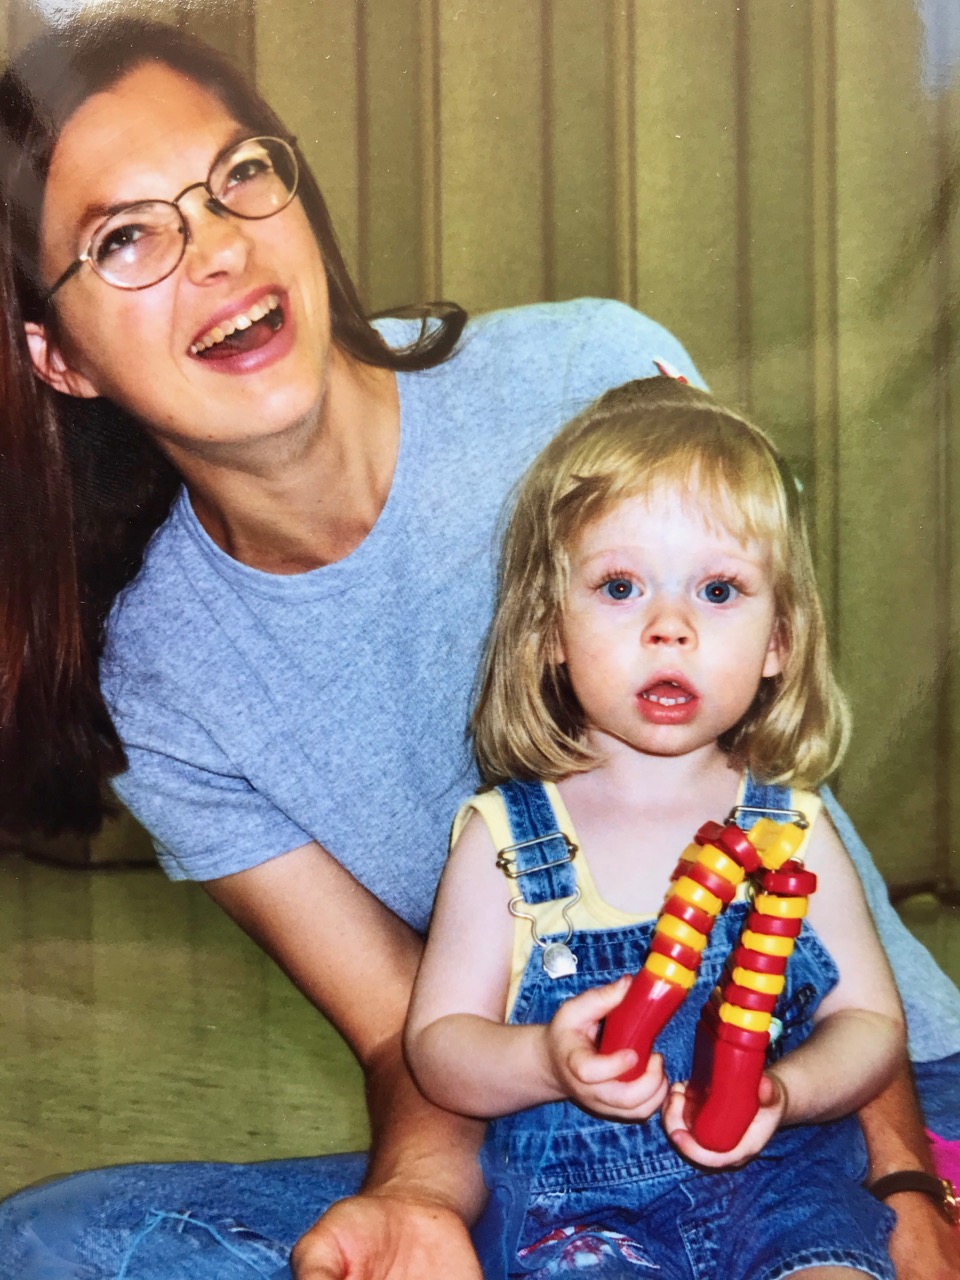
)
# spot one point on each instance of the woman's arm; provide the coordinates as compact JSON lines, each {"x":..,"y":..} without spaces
{"x":462,"y":1053}
{"x":924,"y":1245}
{"x":356,"y":961}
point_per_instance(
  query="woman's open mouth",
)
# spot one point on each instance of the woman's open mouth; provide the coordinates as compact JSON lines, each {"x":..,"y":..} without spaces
{"x":246,"y":331}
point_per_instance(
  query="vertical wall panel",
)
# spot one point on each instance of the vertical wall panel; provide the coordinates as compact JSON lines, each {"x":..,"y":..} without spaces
{"x":307,"y":64}
{"x":229,"y":25}
{"x":491,"y":109}
{"x":684,"y":67}
{"x":888,"y":597}
{"x":825,"y":377}
{"x":579,"y":123}
{"x":777,"y":296}
{"x":946,"y":264}
{"x":391,"y":194}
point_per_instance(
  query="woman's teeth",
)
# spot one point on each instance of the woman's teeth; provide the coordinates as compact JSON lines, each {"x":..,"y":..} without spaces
{"x":239,"y":322}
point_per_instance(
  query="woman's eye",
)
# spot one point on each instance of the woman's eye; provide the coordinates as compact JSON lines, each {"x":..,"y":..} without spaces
{"x":247,"y":170}
{"x":719,"y":591}
{"x":118,"y":239}
{"x":618,"y":588}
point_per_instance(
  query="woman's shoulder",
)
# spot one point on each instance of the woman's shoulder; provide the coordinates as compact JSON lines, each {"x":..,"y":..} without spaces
{"x":602,"y":325}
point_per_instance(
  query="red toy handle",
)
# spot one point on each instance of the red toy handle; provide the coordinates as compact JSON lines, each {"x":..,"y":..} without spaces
{"x":723,"y":1092}
{"x":636,"y":1022}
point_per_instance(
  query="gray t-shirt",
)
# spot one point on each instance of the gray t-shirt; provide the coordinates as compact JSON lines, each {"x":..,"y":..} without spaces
{"x":261,"y":711}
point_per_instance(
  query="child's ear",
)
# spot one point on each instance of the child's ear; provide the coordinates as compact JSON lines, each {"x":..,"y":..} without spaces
{"x":776,"y":651}
{"x":50,"y":365}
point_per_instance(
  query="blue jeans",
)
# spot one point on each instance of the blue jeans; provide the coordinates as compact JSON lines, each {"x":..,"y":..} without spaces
{"x":227,"y":1221}
{"x":171,"y":1222}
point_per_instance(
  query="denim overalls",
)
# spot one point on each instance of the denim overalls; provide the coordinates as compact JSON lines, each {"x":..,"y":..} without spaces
{"x":570,"y":1191}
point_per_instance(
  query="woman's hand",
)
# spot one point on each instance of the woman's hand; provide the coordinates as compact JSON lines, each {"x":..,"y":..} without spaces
{"x":924,"y":1246}
{"x":773,"y":1105}
{"x":376,"y":1235}
{"x":590,"y":1078}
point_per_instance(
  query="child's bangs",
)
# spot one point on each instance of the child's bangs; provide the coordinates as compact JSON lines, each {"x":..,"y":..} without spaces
{"x":729,"y":478}
{"x":740,"y":492}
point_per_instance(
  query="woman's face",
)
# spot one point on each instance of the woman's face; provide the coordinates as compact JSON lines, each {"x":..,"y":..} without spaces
{"x":148,"y":137}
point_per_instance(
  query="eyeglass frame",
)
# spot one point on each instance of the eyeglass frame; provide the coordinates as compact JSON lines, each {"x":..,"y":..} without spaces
{"x":212,"y":203}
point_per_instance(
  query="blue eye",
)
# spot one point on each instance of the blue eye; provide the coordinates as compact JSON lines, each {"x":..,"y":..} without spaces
{"x":718,"y":591}
{"x":618,"y":588}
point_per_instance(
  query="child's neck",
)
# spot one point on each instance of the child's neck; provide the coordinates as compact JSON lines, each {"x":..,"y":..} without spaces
{"x":635,"y":813}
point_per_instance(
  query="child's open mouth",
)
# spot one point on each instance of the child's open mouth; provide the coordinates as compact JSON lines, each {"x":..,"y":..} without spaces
{"x":246,"y":331}
{"x":667,"y":693}
{"x":667,"y":701}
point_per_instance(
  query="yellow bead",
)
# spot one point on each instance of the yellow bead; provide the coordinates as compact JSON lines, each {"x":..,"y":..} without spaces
{"x":680,"y":931}
{"x":770,"y":944}
{"x":776,"y":842}
{"x":769,"y":984}
{"x":749,"y":1019}
{"x":716,"y":860}
{"x":669,"y":970}
{"x":769,"y":904}
{"x":696,"y":894}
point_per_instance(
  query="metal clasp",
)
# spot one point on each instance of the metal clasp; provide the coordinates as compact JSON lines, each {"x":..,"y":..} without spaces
{"x":509,"y":865}
{"x":796,"y":816}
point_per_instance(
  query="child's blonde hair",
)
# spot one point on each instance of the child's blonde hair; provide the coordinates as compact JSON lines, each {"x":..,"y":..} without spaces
{"x":633,"y":440}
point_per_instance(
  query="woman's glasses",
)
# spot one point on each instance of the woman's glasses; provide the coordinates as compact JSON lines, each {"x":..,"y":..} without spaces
{"x":141,"y":244}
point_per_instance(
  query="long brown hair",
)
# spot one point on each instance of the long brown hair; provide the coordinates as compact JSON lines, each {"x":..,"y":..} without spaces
{"x":82,"y":486}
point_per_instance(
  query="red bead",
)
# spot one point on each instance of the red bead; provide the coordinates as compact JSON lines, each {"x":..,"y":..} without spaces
{"x":790,"y":881}
{"x":678,"y":951}
{"x":732,"y":841}
{"x":744,"y":958}
{"x":689,"y":913}
{"x":779,"y":926}
{"x":709,"y":833}
{"x":713,"y":881}
{"x":762,"y":1001}
{"x":741,"y":1036}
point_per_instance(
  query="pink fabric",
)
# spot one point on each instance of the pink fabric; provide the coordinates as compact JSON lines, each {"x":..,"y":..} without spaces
{"x":946,"y":1157}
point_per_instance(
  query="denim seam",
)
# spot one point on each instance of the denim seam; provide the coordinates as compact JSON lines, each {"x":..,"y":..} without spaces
{"x":156,"y":1216}
{"x":824,"y":1258}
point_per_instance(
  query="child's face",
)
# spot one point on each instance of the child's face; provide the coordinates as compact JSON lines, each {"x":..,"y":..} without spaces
{"x":668,"y":626}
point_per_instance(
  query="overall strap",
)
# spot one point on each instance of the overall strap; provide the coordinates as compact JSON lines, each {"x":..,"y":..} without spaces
{"x":764,"y":800}
{"x":540,"y":858}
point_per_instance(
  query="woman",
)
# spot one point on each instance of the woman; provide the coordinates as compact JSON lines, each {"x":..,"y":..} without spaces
{"x":177,"y":311}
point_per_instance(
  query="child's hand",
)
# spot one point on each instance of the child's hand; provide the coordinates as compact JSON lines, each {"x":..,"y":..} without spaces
{"x":773,"y":1105}
{"x":589,"y":1078}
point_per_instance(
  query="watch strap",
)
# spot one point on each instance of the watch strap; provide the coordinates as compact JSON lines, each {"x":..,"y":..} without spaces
{"x":938,"y":1189}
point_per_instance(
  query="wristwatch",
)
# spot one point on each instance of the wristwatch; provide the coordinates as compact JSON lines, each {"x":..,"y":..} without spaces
{"x":940,"y":1190}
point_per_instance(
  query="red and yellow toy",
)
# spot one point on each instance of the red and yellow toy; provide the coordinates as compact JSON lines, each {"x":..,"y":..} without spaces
{"x":734,"y":1028}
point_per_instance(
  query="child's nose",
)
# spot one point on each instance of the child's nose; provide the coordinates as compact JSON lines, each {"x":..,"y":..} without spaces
{"x":669,"y":624}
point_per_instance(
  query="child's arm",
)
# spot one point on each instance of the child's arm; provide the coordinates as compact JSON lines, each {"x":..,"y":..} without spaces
{"x":859,"y":1037}
{"x":463,"y":1056}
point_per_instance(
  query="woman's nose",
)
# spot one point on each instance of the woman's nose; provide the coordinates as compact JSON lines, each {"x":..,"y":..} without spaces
{"x":217,"y":242}
{"x":669,"y":624}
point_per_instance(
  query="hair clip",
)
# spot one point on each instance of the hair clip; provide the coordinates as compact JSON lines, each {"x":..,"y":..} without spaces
{"x":669,"y":371}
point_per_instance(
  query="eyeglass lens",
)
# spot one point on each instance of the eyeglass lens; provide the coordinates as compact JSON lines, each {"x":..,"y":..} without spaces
{"x":143,"y":243}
